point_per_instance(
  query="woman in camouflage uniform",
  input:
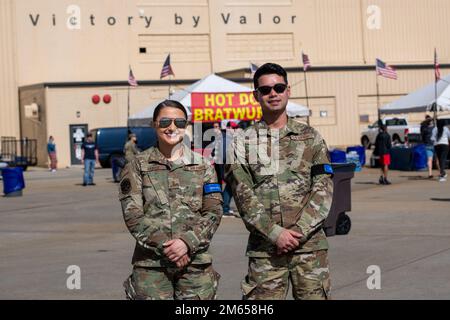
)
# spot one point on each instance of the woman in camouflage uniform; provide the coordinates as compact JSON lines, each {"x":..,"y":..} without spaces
{"x":172,"y":206}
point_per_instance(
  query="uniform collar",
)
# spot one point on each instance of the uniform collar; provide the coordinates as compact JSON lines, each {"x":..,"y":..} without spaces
{"x":187,"y":158}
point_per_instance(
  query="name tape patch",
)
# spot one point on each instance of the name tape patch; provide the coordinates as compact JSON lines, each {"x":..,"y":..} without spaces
{"x":211,"y":188}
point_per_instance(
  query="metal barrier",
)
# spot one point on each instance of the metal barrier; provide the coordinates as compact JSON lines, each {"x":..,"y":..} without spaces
{"x":18,"y":152}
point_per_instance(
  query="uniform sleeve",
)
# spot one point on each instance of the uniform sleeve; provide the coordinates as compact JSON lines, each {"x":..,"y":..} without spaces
{"x":199,"y":238}
{"x":252,"y":211}
{"x":321,"y":195}
{"x":146,"y":232}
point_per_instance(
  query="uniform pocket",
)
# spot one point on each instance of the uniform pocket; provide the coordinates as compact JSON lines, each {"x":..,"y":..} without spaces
{"x":210,"y":293}
{"x":192,"y":187}
{"x":148,"y":190}
{"x":247,"y":288}
{"x":154,"y":184}
{"x":193,"y":202}
{"x":204,"y":281}
{"x":303,"y":173}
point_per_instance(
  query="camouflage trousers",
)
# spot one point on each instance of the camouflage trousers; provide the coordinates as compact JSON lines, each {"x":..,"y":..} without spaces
{"x":269,"y":278}
{"x":195,"y":282}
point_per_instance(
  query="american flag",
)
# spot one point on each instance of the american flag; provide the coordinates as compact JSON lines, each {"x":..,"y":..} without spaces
{"x":437,"y":71}
{"x":253,"y":68}
{"x":306,"y":62}
{"x":166,"y":69}
{"x":131,"y":79}
{"x":385,"y":70}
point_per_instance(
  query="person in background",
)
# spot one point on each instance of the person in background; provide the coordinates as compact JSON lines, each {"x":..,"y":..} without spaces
{"x":130,"y":149}
{"x":382,"y":149}
{"x":441,"y":137}
{"x":426,"y":131}
{"x":217,"y":151}
{"x":227,"y":192}
{"x":51,"y":150}
{"x":89,"y":157}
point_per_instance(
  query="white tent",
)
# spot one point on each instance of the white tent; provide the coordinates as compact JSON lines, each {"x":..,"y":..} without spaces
{"x":422,"y":100}
{"x":211,"y":83}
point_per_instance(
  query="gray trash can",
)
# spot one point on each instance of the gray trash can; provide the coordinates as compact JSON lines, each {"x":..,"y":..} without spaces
{"x":338,"y":222}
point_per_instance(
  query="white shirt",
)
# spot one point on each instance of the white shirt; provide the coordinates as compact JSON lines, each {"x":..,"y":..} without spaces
{"x":444,"y":138}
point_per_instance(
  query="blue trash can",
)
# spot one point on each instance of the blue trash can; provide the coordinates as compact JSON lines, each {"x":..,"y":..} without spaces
{"x":361,"y":153}
{"x":338,"y":156}
{"x":420,"y":157}
{"x":13,"y":182}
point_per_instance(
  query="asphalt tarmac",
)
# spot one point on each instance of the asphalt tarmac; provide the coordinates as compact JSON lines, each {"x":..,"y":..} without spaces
{"x":401,"y":230}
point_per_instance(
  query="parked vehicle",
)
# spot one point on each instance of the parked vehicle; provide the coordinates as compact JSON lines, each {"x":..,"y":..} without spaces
{"x":397,"y":128}
{"x":110,"y":141}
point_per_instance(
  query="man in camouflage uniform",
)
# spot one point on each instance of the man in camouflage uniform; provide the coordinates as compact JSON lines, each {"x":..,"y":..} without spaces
{"x":162,"y":201}
{"x":130,"y":149}
{"x":281,"y":180}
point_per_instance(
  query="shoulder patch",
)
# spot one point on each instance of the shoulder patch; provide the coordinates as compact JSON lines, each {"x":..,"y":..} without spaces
{"x":125,"y":186}
{"x":211,"y":188}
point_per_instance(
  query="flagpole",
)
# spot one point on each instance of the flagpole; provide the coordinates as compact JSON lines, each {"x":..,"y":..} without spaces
{"x":128,"y":103}
{"x":170,"y":80}
{"x":378,"y":99}
{"x":435,"y":88}
{"x":306,"y":93}
{"x":170,"y":76}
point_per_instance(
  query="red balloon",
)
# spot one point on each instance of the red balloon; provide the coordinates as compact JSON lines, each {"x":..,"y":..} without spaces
{"x":106,"y":98}
{"x":96,"y":99}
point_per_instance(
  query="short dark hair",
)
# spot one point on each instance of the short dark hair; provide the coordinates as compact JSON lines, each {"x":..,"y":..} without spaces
{"x":269,"y":68}
{"x":383,"y":128}
{"x":171,"y":104}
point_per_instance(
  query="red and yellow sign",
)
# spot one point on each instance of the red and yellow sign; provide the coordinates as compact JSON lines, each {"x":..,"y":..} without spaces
{"x":212,"y":107}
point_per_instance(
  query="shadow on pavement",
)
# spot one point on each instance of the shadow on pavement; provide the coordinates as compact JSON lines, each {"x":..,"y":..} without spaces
{"x":416,"y":178}
{"x":441,"y":199}
{"x":367,"y":182}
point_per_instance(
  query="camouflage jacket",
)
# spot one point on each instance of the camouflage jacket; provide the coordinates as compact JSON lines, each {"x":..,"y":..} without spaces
{"x":163,"y":200}
{"x":130,"y":150}
{"x":273,"y":186}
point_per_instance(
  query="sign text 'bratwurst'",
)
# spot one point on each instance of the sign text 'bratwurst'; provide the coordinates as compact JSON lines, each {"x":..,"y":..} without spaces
{"x":212,"y":107}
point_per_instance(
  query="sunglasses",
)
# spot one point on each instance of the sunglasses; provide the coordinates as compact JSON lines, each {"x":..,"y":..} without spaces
{"x":279,"y":88}
{"x":180,"y":123}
